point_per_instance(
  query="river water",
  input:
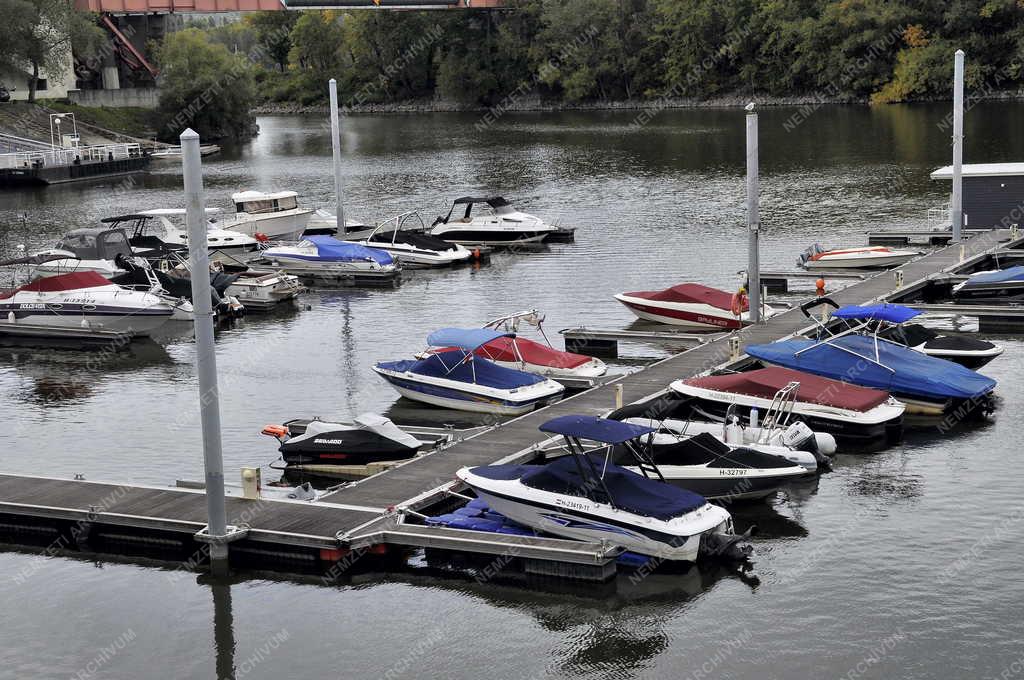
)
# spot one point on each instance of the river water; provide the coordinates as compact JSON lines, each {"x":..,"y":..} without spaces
{"x":899,"y":563}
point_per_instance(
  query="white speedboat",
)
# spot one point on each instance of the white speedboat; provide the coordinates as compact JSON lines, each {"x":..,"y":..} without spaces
{"x":867,"y":257}
{"x":692,"y":305}
{"x":585,"y":496}
{"x":261,"y":290}
{"x":84,"y":300}
{"x":403,"y":237}
{"x":499,"y":224}
{"x":151,"y":232}
{"x":515,"y":351}
{"x":460,"y":380}
{"x":325,"y":257}
{"x":103,"y":250}
{"x":272,"y":216}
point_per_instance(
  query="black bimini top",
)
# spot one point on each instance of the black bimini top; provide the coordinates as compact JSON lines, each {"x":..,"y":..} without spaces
{"x":493,"y":201}
{"x":125,"y":218}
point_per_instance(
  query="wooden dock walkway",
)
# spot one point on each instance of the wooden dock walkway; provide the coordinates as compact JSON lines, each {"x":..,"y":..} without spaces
{"x":363,"y":514}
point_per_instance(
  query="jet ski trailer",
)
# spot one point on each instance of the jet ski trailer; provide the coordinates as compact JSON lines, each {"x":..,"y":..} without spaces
{"x":585,"y":496}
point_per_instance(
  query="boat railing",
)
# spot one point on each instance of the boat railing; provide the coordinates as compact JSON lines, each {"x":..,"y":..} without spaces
{"x":72,"y":156}
{"x":779,"y":411}
{"x":399,"y":223}
{"x":938,"y":213}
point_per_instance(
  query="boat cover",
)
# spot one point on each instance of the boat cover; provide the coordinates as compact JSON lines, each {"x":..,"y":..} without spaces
{"x":332,"y":249}
{"x":450,"y":365}
{"x":629,"y":491}
{"x":369,"y":422}
{"x":912,"y":373}
{"x":539,"y":354}
{"x":596,"y":429}
{"x":465,"y":338}
{"x":883,"y":312}
{"x":72,"y":281}
{"x":1008,"y":275}
{"x":765,"y":382}
{"x":692,"y":293}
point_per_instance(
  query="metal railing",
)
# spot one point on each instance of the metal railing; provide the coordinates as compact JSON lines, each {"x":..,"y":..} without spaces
{"x":66,"y":157}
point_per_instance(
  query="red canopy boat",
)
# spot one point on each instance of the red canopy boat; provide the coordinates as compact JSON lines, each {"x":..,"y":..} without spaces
{"x":688,"y":304}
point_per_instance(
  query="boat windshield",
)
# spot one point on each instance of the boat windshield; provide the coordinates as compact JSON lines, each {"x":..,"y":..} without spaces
{"x":90,"y":245}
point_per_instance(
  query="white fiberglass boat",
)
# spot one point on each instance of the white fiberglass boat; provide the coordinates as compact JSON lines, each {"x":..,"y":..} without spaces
{"x":868,"y":257}
{"x":268,"y":216}
{"x":85,"y":300}
{"x":152,"y":233}
{"x":515,"y":351}
{"x":325,"y":256}
{"x":585,"y":496}
{"x":692,"y":305}
{"x":500,"y":225}
{"x":103,"y":250}
{"x":403,"y":237}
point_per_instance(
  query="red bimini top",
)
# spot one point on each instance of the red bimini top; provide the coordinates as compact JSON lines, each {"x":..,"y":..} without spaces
{"x":765,"y":382}
{"x":539,"y":354}
{"x":693,"y":293}
{"x":54,"y":284}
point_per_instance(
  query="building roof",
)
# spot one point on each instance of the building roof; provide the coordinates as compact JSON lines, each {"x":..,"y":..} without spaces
{"x":982,"y":170}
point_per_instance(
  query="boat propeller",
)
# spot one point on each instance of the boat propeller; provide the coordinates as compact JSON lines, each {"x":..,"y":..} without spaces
{"x":728,"y":546}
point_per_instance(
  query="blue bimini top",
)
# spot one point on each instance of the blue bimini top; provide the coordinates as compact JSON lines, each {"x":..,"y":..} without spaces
{"x":341,"y":251}
{"x":596,"y":429}
{"x":450,"y":365}
{"x":884,"y":312}
{"x":465,"y":338}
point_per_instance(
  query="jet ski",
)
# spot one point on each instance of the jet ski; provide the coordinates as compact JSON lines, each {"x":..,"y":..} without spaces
{"x":586,"y":496}
{"x":369,"y":438}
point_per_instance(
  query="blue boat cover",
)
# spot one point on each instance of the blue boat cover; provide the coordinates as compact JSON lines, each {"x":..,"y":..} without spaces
{"x":596,"y":429}
{"x":883,"y":312}
{"x":488,"y":373}
{"x":914,"y":373}
{"x":333,"y":250}
{"x":465,"y":338}
{"x":1002,"y":276}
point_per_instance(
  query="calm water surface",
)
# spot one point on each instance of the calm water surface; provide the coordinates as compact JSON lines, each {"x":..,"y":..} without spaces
{"x":898,"y":564}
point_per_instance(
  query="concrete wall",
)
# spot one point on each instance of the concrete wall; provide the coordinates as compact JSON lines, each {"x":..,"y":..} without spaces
{"x":56,"y":86}
{"x":144,"y":97}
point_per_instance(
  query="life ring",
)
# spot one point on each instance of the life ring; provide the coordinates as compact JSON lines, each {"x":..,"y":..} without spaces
{"x":739,"y":302}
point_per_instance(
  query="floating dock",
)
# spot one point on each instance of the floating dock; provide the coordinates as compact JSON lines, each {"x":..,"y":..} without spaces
{"x":378,"y":516}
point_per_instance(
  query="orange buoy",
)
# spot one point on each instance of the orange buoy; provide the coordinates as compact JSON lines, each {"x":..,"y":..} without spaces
{"x":819,"y":287}
{"x":476,"y":253}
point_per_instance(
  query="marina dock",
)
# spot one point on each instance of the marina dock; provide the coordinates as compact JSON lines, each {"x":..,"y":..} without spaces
{"x":379,"y":512}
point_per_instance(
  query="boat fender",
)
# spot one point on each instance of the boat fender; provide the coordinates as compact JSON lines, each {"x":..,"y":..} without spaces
{"x":276,"y":431}
{"x":739,"y":302}
{"x":261,"y":237}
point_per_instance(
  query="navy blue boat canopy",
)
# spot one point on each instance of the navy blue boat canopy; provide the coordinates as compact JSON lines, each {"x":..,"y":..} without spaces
{"x":596,"y":429}
{"x":450,"y":365}
{"x":342,"y":251}
{"x":1001,"y":276}
{"x":883,"y":312}
{"x":465,"y":338}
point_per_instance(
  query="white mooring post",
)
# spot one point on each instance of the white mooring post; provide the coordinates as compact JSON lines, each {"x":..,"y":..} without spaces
{"x":753,"y":258}
{"x":956,"y":205}
{"x":339,"y":203}
{"x":206,"y":361}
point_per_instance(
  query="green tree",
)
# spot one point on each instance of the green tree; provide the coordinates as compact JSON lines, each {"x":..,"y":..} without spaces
{"x":203,"y":86}
{"x":40,"y":35}
{"x":316,"y":42}
{"x":274,"y":33}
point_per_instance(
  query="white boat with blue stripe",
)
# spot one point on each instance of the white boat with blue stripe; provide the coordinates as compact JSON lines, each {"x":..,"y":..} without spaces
{"x":457,"y":379}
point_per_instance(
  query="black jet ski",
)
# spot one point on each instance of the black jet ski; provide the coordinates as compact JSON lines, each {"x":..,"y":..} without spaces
{"x":964,"y":350}
{"x":369,"y":438}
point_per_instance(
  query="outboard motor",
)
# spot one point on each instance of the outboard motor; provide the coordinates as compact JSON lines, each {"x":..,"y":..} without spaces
{"x":799,"y":436}
{"x":728,"y":546}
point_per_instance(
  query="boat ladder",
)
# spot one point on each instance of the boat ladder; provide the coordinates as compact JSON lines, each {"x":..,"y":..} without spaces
{"x":780,"y":411}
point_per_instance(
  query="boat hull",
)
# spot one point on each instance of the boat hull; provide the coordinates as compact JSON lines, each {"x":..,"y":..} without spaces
{"x":284,"y":226}
{"x":726,"y":484}
{"x":462,"y":397}
{"x":689,"y":315}
{"x":490,"y":237}
{"x":131,"y":321}
{"x":865,"y":262}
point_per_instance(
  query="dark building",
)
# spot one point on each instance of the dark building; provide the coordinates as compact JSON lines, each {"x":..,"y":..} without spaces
{"x":993,"y":193}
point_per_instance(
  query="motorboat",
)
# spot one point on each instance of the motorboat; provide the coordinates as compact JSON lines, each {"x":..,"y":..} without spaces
{"x":692,"y":305}
{"x":498,"y":224}
{"x":151,"y":232}
{"x":890,"y":322}
{"x":326,"y":256}
{"x":515,"y":351}
{"x":991,"y":287}
{"x":260,"y":290}
{"x":847,"y":412}
{"x":461,"y":380}
{"x":926,"y":384}
{"x":323,"y":222}
{"x":274,"y":216}
{"x":403,"y":239}
{"x":103,"y":250}
{"x":867,"y":257}
{"x":84,"y":299}
{"x":369,"y":438}
{"x":586,"y":496}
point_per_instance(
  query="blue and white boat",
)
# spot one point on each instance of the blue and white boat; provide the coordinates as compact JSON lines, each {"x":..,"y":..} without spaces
{"x":324,"y":257}
{"x":585,"y":496}
{"x":857,"y":355}
{"x":1003,"y":285}
{"x":457,"y":379}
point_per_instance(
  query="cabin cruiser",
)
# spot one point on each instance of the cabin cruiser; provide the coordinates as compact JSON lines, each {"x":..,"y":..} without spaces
{"x":327,"y":256}
{"x":461,"y":380}
{"x":847,"y":412}
{"x":103,"y":250}
{"x":991,"y":287}
{"x":692,"y":305}
{"x":868,"y":257}
{"x":151,"y":233}
{"x":926,"y":384}
{"x":499,"y":225}
{"x":890,"y":322}
{"x":369,"y":438}
{"x":402,"y":238}
{"x":585,"y":496}
{"x":272,"y":216}
{"x":84,"y":299}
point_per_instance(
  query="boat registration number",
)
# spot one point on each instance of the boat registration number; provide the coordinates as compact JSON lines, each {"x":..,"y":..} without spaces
{"x":32,"y":305}
{"x":731,"y":472}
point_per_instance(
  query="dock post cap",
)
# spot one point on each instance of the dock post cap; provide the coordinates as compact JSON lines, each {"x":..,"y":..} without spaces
{"x":188,"y":134}
{"x":749,"y":108}
{"x":959,"y":53}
